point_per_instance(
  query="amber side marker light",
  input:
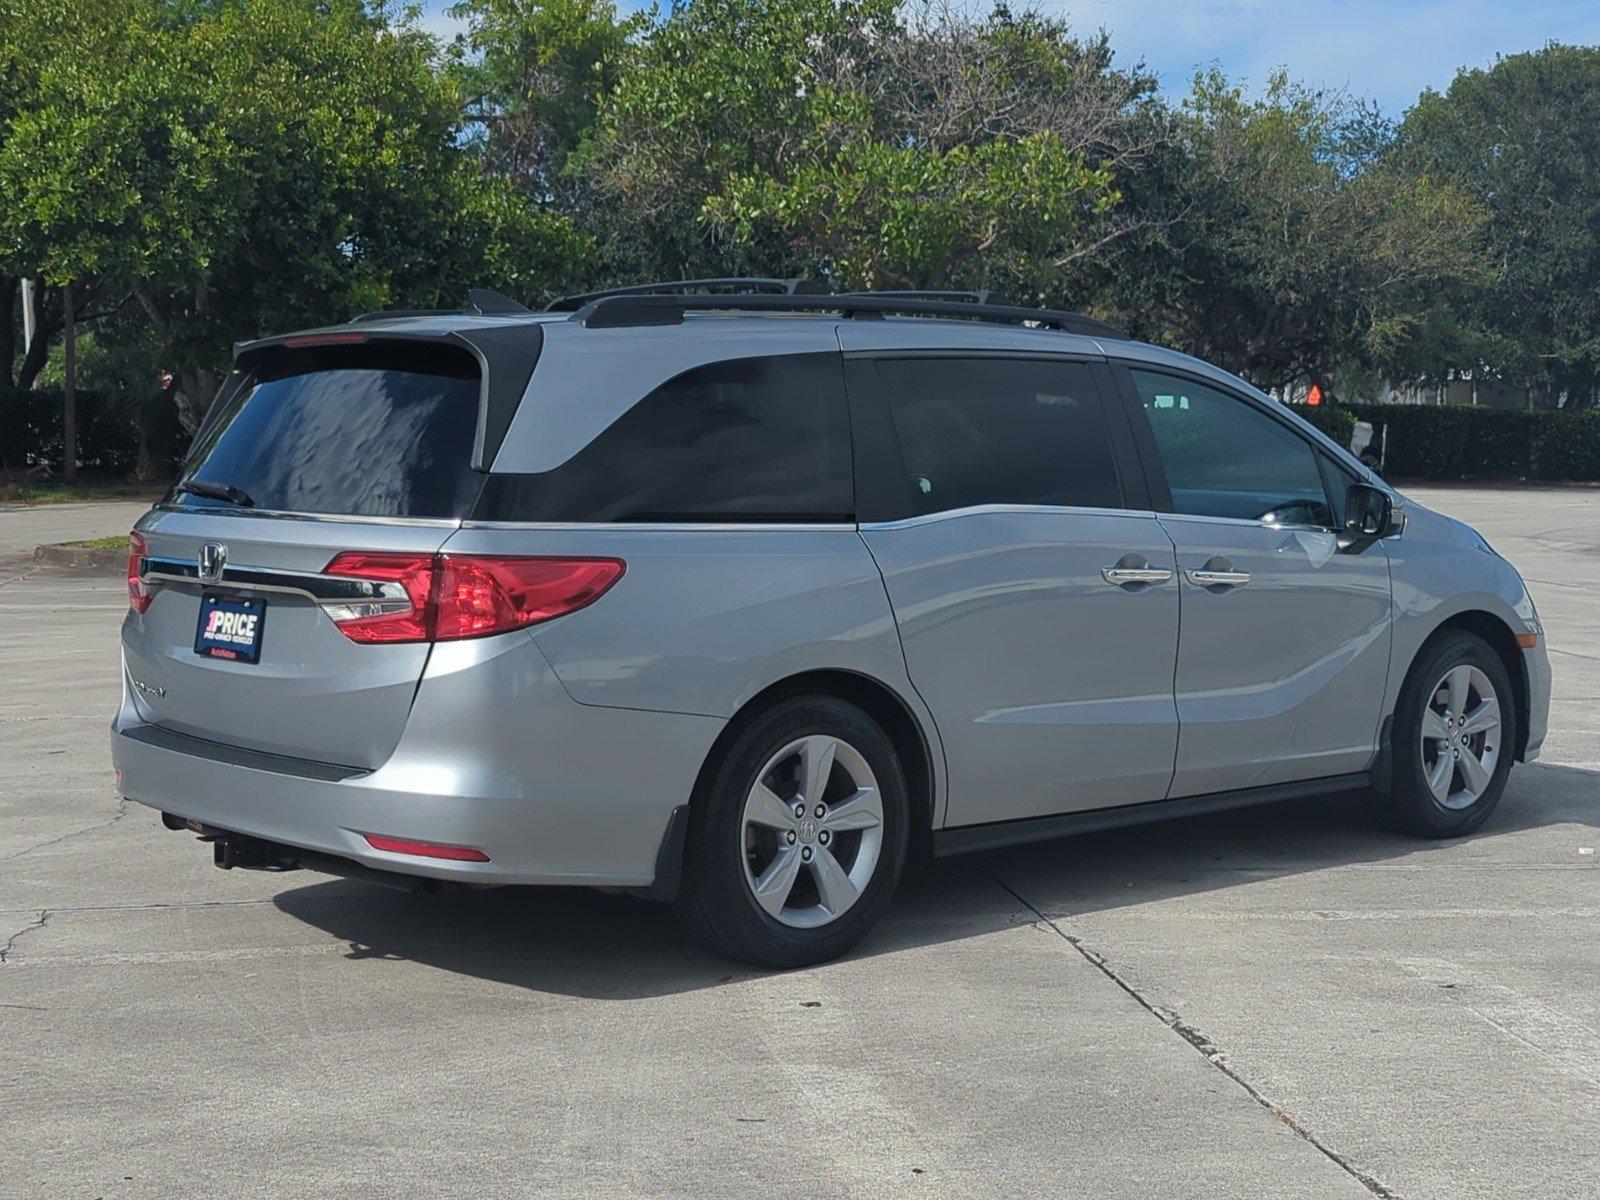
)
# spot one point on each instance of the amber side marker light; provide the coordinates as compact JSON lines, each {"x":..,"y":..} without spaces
{"x":424,"y":849}
{"x":1527,"y":640}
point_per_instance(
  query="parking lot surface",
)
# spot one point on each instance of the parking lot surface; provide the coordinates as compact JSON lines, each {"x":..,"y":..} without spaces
{"x":22,"y":527}
{"x":1280,"y":1002}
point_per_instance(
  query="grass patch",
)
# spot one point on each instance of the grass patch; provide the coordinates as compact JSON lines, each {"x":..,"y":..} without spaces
{"x":117,"y":541}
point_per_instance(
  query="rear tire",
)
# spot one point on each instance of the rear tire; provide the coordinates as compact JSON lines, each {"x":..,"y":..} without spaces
{"x":776,"y":887}
{"x":1452,"y":741}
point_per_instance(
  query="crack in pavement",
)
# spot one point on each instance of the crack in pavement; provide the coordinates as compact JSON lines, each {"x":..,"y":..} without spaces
{"x":120,"y":812}
{"x":36,"y":923}
{"x":162,"y":905}
{"x":1207,"y":1048}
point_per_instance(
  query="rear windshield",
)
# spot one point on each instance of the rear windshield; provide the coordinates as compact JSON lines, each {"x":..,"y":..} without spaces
{"x":378,"y":430}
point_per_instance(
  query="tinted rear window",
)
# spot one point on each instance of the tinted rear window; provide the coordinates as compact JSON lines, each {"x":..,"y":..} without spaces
{"x":380,"y":430}
{"x":751,"y":439}
{"x":1000,"y":431}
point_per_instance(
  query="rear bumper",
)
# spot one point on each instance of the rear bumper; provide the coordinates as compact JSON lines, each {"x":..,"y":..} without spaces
{"x":495,"y":755}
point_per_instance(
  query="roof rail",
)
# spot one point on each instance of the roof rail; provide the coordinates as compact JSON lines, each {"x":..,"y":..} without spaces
{"x":612,"y":312}
{"x":481,"y":302}
{"x":733,"y":284}
{"x":981,"y":297}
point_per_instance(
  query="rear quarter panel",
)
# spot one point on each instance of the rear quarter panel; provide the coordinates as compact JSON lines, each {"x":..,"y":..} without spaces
{"x":707,"y":617}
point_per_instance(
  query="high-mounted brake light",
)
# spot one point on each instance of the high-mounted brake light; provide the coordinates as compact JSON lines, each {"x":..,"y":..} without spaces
{"x":456,"y":596}
{"x":139,"y":593}
{"x":324,"y":339}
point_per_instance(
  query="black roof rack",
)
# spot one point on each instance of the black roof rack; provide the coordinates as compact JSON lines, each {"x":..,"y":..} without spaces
{"x":982,"y":297}
{"x":481,"y":302}
{"x":616,"y":311}
{"x":740,"y":284}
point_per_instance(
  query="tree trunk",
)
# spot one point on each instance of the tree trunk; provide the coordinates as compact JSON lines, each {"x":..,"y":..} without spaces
{"x":144,"y":467}
{"x":69,"y":399}
{"x":196,"y":390}
{"x":46,"y":321}
{"x":9,"y":288}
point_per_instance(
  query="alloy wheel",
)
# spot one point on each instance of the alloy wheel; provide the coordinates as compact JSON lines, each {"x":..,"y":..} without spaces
{"x":1460,"y":737}
{"x":812,"y":831}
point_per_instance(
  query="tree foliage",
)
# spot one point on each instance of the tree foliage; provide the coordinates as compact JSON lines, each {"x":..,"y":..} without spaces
{"x":870,"y":143}
{"x":1523,"y":140}
{"x":206,"y":170}
{"x":534,"y":74}
{"x":247,"y":165}
{"x":1291,"y":245}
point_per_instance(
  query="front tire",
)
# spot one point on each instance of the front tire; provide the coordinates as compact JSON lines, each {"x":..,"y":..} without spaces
{"x":1452,"y":741}
{"x":798,"y":840}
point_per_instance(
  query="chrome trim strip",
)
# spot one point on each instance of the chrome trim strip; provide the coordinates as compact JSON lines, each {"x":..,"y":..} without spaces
{"x":950,"y":514}
{"x":1246,"y":522}
{"x":323,"y":589}
{"x":667,"y":526}
{"x":286,"y":515}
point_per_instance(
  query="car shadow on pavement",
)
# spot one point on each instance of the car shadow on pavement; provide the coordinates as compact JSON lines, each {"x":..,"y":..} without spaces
{"x":580,"y":942}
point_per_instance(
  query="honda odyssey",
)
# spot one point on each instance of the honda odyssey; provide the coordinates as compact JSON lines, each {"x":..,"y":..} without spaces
{"x":743,"y":596}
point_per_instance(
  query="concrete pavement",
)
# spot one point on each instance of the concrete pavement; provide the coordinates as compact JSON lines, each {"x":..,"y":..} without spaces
{"x":1280,"y":1002}
{"x":22,"y":527}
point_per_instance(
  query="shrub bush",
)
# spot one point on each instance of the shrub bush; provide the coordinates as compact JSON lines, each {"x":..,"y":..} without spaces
{"x":1565,"y":445}
{"x":1456,"y":441}
{"x":108,"y":431}
{"x":1337,"y":422}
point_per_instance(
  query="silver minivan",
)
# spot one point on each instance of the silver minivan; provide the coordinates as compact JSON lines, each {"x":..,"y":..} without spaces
{"x":742,"y":597}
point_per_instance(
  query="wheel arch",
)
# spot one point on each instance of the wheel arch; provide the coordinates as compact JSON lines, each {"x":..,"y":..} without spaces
{"x":1493,"y":630}
{"x":879,"y":701}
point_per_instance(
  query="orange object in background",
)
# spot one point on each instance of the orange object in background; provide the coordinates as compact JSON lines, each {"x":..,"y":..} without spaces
{"x":1314,"y":396}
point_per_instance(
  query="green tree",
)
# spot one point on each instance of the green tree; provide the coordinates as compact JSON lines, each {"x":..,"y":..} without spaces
{"x":241,"y":166}
{"x":1288,"y":245}
{"x":533,"y":73}
{"x":876,"y":144}
{"x":1521,"y":138}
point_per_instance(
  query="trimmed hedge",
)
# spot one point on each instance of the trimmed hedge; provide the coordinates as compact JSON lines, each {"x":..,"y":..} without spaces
{"x":1337,"y":422}
{"x":108,"y":431}
{"x":1457,"y":441}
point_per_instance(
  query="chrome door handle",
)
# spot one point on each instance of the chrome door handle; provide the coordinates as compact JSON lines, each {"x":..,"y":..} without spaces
{"x":1210,"y":579}
{"x":1122,"y":576}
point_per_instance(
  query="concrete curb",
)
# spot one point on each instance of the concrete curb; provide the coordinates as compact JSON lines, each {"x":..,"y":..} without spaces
{"x":82,"y":557}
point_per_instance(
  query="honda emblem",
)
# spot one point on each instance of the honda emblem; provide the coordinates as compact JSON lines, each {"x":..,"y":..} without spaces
{"x":213,"y":560}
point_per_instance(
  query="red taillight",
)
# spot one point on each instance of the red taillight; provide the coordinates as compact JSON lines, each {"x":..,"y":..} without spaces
{"x":425,"y":849}
{"x":455,"y":596}
{"x":478,"y":596}
{"x":139,"y":595}
{"x":413,"y":572}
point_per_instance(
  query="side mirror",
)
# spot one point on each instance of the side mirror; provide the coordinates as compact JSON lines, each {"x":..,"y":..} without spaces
{"x":1369,"y":515}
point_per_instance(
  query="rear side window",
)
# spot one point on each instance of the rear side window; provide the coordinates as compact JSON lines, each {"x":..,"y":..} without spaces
{"x":381,"y":430}
{"x":750,"y":439}
{"x":1000,"y":431}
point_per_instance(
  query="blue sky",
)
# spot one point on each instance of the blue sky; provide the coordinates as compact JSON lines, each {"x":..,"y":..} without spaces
{"x":1386,"y":49}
